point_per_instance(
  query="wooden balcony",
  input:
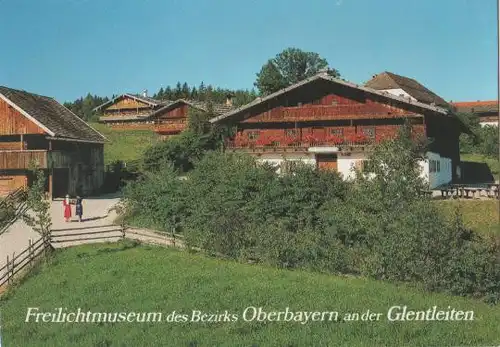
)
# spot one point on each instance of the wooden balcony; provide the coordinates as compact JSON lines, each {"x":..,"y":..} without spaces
{"x":328,"y":112}
{"x":302,"y":146}
{"x":170,"y":127}
{"x":23,"y":159}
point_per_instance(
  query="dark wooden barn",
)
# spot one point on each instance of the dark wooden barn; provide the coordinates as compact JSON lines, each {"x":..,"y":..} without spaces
{"x":36,"y":128}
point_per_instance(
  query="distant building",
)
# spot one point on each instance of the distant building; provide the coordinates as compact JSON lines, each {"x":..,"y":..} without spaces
{"x":332,"y":124}
{"x":36,"y":128}
{"x":405,"y":87}
{"x":171,"y":119}
{"x":129,"y":111}
{"x":140,"y":112}
{"x":486,"y":111}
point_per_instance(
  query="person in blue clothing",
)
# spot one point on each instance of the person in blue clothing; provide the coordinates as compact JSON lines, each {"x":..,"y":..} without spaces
{"x":79,"y":207}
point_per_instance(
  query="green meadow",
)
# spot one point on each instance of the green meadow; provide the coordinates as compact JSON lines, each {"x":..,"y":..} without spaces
{"x":126,"y":277}
{"x":125,"y":145}
{"x":478,"y":215}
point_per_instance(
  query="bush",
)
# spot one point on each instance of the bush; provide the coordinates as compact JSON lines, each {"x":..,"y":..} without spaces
{"x":180,"y":151}
{"x":483,"y":140}
{"x":156,"y":200}
{"x":378,"y":225}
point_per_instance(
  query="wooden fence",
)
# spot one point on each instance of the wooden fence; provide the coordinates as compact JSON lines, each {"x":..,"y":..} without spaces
{"x":14,"y":204}
{"x":61,"y":238}
{"x":16,"y":263}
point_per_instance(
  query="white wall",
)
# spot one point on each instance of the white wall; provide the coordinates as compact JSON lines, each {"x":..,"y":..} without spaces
{"x":399,"y":92}
{"x":346,"y":164}
{"x":278,"y":159}
{"x":494,"y":124}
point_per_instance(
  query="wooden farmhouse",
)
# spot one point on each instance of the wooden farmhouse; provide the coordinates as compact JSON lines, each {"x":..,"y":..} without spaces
{"x":165,"y":117}
{"x":129,"y":111}
{"x":331,"y":123}
{"x":173,"y":118}
{"x":486,"y":111}
{"x":38,"y":129}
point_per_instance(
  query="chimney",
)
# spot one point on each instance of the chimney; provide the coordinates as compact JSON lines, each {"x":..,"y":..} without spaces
{"x":229,"y":100}
{"x":145,"y":93}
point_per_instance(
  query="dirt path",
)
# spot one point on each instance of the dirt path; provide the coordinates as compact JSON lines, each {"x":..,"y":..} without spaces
{"x":95,"y":214}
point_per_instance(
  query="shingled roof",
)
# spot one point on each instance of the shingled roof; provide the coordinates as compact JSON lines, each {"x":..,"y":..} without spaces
{"x":476,"y":106}
{"x":200,"y":105}
{"x":330,"y":79}
{"x":50,"y":115}
{"x":146,"y":99}
{"x":389,"y":80}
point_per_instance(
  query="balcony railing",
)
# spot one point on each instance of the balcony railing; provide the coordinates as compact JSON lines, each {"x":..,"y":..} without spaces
{"x":325,"y":112}
{"x":172,"y":127}
{"x":23,"y":159}
{"x":288,"y":146}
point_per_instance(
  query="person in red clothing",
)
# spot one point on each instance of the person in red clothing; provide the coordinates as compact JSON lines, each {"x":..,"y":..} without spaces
{"x":67,"y":208}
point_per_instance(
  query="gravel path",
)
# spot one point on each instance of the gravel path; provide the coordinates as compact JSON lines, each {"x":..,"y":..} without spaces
{"x":95,"y":214}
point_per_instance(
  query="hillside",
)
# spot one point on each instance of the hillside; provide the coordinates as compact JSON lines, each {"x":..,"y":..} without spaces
{"x":125,"y":277}
{"x":125,"y":145}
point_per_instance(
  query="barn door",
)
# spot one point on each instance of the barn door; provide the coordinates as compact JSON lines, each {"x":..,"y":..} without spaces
{"x":60,"y":182}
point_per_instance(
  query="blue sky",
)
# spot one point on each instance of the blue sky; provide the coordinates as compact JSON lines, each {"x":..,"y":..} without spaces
{"x":66,"y":48}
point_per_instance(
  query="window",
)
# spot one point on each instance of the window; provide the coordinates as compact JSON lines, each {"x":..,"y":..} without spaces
{"x":291,"y":132}
{"x":369,"y":132}
{"x":438,"y":168}
{"x":433,"y":166}
{"x":337,"y":132}
{"x":334,"y":103}
{"x":253,"y":135}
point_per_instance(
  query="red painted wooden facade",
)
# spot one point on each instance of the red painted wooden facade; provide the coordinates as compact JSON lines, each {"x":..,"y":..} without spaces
{"x":172,"y":122}
{"x":323,"y":113}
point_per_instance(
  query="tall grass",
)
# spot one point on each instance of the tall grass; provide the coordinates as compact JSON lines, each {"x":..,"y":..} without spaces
{"x":119,"y":277}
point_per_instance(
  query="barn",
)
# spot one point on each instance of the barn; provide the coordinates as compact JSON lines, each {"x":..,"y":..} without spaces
{"x":38,"y":129}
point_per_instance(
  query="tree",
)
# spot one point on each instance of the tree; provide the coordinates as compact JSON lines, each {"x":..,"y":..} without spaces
{"x":289,"y":67}
{"x":201,"y":91}
{"x":39,"y":217}
{"x":160,"y":94}
{"x":194,"y":94}
{"x":178,"y":91}
{"x":168,"y":93}
{"x":185,"y":91}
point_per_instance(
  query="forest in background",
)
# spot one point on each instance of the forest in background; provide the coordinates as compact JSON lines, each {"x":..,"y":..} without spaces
{"x":83,"y":106}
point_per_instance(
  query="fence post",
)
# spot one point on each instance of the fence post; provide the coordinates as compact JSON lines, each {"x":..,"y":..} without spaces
{"x":123,"y":230}
{"x":12,"y":267}
{"x":30,"y":252}
{"x":8,"y":270}
{"x":173,"y":235}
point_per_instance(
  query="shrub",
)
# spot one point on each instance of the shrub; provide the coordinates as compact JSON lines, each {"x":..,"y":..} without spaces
{"x":180,"y":151}
{"x":380,"y":226}
{"x":156,"y":200}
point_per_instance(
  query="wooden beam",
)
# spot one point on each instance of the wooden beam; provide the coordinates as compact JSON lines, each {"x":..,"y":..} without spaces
{"x":50,"y":184}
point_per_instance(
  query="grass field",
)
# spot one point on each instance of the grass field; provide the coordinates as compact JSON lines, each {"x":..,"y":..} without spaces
{"x":125,"y":145}
{"x":479,"y":215}
{"x":124,"y":278}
